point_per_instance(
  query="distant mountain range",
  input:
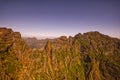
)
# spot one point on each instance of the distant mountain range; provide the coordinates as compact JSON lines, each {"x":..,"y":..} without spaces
{"x":88,"y":56}
{"x":36,"y":43}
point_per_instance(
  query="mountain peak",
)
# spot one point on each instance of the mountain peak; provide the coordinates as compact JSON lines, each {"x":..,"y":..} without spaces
{"x":88,"y":56}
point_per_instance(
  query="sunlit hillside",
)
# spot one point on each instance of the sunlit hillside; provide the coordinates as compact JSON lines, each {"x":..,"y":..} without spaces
{"x":88,"y":56}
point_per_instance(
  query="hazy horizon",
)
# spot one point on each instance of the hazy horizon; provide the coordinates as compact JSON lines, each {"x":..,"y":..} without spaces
{"x":45,"y":18}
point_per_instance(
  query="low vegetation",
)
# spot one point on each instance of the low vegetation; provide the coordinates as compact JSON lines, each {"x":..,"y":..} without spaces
{"x":91,"y":56}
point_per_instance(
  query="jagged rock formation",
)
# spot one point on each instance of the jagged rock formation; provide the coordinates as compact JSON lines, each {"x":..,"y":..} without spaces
{"x":91,"y":56}
{"x":14,"y":56}
{"x":88,"y":56}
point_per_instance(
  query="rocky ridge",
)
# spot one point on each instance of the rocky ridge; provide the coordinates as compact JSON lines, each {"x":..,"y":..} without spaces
{"x":91,"y":56}
{"x":88,"y":56}
{"x":14,"y":56}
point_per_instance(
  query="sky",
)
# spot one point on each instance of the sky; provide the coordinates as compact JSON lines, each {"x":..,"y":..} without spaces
{"x":53,"y":18}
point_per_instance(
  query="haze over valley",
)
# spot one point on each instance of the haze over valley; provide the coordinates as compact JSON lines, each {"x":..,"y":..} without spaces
{"x":59,"y":40}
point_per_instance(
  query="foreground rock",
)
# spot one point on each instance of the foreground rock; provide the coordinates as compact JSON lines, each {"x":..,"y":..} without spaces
{"x":14,"y":56}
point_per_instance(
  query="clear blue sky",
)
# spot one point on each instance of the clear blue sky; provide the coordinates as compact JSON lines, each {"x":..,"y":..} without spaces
{"x":61,"y":17}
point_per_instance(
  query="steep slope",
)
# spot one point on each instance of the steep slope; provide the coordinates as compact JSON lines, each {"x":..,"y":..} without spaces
{"x":91,"y":56}
{"x":88,"y":56}
{"x":14,"y":56}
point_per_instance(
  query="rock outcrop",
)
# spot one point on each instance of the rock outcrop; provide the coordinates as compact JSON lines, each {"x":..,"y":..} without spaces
{"x":88,"y":56}
{"x":14,"y":56}
{"x":91,"y":56}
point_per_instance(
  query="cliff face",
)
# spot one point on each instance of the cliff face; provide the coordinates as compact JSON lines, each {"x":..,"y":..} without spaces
{"x":88,"y":56}
{"x":91,"y":56}
{"x":14,"y":55}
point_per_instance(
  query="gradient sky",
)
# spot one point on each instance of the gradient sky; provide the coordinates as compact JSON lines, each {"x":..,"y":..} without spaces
{"x":52,"y":18}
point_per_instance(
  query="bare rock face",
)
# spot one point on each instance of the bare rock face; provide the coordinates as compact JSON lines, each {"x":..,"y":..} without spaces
{"x":91,"y":56}
{"x":88,"y":56}
{"x":5,"y":39}
{"x":14,"y":55}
